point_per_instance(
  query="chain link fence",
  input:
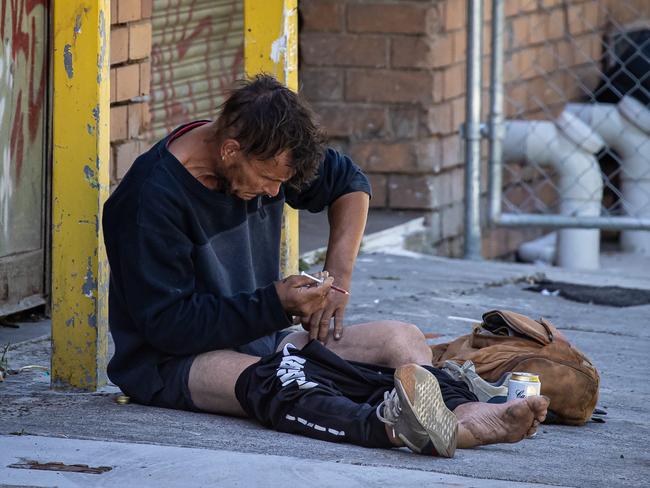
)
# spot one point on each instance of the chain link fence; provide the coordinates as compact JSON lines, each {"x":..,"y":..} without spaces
{"x":569,"y":117}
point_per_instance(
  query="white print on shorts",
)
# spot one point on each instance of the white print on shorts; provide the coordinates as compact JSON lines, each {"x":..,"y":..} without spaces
{"x":292,"y":369}
{"x":320,"y":428}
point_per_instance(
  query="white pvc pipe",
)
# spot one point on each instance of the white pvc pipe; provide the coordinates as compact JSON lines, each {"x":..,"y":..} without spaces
{"x":569,"y":145}
{"x":625,"y":128}
{"x":540,"y":250}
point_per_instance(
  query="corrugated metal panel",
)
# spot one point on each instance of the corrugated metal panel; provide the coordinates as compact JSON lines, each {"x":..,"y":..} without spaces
{"x":197,"y":53}
{"x":23,"y":113}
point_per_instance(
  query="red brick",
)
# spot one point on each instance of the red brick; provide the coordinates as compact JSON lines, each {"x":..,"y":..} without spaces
{"x":421,"y":52}
{"x":627,"y":11}
{"x":379,"y":185}
{"x":457,"y":112}
{"x":145,"y":78}
{"x":528,"y":5}
{"x":455,"y":14}
{"x":551,"y":3}
{"x":409,"y":191}
{"x":127,"y":82}
{"x":556,"y":24}
{"x":451,"y":220}
{"x":146,"y":8}
{"x":460,"y":46}
{"x":113,"y":85}
{"x":432,"y":223}
{"x":113,"y":12}
{"x":118,"y":123}
{"x":451,"y":152}
{"x":140,"y":40}
{"x":387,"y":18}
{"x":428,"y":153}
{"x":404,"y":122}
{"x":438,"y":89}
{"x":586,"y":48}
{"x":136,"y":123}
{"x":578,"y":22}
{"x":128,"y":10}
{"x":538,"y":28}
{"x":512,"y":8}
{"x":545,"y":61}
{"x":321,"y":84}
{"x":487,"y":40}
{"x":487,"y":11}
{"x":125,"y":154}
{"x":385,"y":157}
{"x":410,"y":52}
{"x":353,"y":121}
{"x":454,"y":81}
{"x":520,"y":32}
{"x":322,"y":16}
{"x":343,"y":50}
{"x":448,"y":188}
{"x":119,"y":45}
{"x":452,"y":248}
{"x":525,"y":63}
{"x":388,"y":86}
{"x":439,"y":119}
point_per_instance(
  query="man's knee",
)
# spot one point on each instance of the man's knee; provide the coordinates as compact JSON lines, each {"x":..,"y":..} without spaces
{"x":406,"y":343}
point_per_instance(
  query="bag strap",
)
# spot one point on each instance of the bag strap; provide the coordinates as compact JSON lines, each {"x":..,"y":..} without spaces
{"x":546,"y":326}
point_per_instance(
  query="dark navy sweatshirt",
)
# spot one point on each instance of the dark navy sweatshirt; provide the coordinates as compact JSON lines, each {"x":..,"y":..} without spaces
{"x":192,"y":269}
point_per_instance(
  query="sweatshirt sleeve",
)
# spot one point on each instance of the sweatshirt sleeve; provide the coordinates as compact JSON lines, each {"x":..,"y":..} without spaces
{"x":157,"y":279}
{"x":337,"y":176}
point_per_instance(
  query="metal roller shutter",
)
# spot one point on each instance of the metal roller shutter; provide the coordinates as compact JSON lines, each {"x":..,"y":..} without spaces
{"x":197,"y":53}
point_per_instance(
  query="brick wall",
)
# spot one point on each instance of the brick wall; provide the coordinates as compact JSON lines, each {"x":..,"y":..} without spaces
{"x":388,"y":80}
{"x":130,"y":79}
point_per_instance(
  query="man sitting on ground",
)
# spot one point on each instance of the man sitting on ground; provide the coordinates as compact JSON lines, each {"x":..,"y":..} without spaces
{"x":192,"y":235}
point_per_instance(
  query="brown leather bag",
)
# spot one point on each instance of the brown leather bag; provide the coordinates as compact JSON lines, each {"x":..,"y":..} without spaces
{"x":506,"y":341}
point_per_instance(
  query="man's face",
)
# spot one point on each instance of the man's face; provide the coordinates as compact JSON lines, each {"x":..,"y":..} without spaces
{"x":249,"y":177}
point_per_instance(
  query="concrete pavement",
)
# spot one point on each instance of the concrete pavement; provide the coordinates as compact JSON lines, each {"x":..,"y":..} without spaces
{"x":438,"y":295}
{"x":145,"y":465}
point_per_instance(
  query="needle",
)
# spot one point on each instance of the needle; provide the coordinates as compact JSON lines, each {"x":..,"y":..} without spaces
{"x":340,"y":290}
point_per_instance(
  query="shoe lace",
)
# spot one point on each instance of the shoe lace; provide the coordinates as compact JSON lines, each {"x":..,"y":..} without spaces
{"x":389,"y":409}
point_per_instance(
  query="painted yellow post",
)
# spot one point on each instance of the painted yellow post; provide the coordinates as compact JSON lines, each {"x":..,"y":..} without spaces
{"x":271,"y":46}
{"x":80,"y":182}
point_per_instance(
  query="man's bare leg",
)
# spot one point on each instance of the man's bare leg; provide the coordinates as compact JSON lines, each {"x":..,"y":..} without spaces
{"x":212,"y":381}
{"x":486,"y":423}
{"x":385,"y":342}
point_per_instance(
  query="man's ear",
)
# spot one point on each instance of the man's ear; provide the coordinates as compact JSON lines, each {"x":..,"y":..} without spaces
{"x":228,"y":148}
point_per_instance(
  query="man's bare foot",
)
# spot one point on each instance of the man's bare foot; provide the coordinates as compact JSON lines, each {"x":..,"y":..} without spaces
{"x":486,"y":423}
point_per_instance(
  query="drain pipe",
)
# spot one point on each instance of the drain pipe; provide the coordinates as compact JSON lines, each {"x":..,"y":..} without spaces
{"x":569,"y":145}
{"x":625,"y":128}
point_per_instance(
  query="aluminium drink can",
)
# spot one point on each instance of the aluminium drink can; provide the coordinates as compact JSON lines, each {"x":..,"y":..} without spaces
{"x":522,"y":385}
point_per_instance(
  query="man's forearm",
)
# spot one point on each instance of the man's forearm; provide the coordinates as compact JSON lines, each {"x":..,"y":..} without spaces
{"x":347,"y":217}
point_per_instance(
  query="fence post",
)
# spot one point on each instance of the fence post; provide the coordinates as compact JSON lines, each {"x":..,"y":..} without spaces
{"x":472,"y":131}
{"x":496,"y":128}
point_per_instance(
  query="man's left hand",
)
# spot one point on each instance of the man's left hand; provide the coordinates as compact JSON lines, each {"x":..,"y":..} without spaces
{"x":318,"y":323}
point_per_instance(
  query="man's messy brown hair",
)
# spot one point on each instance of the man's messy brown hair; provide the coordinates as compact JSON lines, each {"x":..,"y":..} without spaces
{"x":266,"y":118}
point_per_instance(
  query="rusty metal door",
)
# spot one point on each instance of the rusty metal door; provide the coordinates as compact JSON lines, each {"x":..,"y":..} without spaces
{"x":197,"y":54}
{"x":23,"y":108}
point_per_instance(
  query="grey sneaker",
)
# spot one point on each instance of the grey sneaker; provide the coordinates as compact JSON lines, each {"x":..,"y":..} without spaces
{"x":485,"y":391}
{"x":417,"y":413}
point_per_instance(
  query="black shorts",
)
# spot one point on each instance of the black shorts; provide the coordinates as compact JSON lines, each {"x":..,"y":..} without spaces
{"x":175,"y":373}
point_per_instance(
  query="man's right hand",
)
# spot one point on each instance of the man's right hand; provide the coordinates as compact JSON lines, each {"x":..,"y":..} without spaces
{"x":301,"y":295}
